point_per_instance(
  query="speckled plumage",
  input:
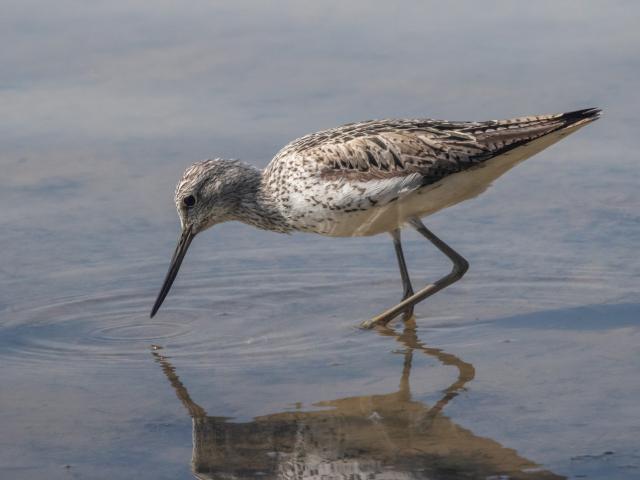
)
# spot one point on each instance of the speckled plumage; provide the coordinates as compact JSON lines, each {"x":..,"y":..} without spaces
{"x":320,"y":182}
{"x":342,"y":181}
{"x":366,"y":178}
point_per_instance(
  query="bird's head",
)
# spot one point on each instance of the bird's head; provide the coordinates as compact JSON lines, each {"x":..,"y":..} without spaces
{"x":208,"y":193}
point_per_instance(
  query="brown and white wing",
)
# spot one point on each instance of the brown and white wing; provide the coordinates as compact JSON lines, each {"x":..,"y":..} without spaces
{"x":390,"y":157}
{"x":433,"y":148}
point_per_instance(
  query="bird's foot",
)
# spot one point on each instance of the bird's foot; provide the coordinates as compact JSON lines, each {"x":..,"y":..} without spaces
{"x":384,"y":320}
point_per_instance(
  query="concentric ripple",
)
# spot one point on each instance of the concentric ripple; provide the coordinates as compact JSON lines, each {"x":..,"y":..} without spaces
{"x":245,"y":318}
{"x":200,"y":326}
{"x":73,"y":331}
{"x":145,"y":332}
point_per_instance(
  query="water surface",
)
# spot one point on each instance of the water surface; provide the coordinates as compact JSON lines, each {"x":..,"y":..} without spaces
{"x":253,"y":367}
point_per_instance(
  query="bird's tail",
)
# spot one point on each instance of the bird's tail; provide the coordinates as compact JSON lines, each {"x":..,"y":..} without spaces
{"x":501,"y":136}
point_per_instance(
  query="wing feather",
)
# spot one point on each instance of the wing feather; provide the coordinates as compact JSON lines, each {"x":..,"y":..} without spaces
{"x":433,"y":149}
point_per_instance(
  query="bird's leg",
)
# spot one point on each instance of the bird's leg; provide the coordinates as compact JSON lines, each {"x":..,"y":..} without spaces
{"x":460,"y":266}
{"x":406,"y":281}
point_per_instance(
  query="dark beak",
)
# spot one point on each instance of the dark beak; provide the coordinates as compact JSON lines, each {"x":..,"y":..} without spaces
{"x":183,"y":244}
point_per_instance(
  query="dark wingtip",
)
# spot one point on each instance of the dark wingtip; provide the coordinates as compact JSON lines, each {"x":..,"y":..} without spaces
{"x":579,"y":115}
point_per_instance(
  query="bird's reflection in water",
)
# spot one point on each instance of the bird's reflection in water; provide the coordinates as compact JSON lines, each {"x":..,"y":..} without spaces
{"x":369,"y":437}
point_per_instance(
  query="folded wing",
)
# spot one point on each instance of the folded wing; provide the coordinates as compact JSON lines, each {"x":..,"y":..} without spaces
{"x":428,"y":149}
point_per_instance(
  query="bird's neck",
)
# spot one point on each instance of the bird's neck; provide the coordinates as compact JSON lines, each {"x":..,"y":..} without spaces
{"x":257,"y":207}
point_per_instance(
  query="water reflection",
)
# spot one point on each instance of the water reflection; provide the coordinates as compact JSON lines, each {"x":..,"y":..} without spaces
{"x":389,"y":436}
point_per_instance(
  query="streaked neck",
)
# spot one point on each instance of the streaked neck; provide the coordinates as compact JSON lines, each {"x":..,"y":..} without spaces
{"x":257,"y":208}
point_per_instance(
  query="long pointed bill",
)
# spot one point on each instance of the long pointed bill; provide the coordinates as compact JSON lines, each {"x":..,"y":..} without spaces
{"x":183,"y":244}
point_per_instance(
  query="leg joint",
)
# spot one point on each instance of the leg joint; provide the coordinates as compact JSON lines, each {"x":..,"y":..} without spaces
{"x":460,"y":267}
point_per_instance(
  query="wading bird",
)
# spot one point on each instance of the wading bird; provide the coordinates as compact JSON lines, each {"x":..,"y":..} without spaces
{"x":365,"y":178}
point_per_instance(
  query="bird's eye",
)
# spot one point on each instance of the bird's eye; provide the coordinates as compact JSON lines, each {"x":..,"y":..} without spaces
{"x":189,"y":201}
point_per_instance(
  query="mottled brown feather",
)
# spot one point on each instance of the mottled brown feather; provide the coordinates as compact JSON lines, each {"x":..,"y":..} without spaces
{"x":381,"y":149}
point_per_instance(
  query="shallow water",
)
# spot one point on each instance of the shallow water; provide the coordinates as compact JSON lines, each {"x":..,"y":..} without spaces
{"x":254,"y":367}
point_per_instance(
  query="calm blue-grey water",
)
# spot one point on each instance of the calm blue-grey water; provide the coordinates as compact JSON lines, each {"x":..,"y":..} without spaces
{"x":527,"y":368}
